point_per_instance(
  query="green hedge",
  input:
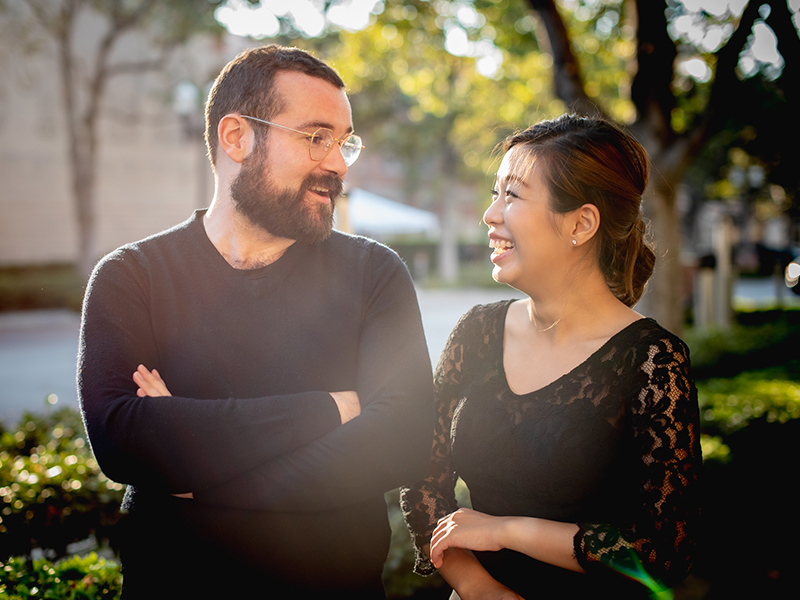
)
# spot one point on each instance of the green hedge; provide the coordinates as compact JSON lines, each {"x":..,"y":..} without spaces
{"x":75,"y":578}
{"x":759,"y":340}
{"x":53,"y":493}
{"x":35,"y":287}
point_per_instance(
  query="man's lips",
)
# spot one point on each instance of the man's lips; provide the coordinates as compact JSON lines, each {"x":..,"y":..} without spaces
{"x":326,"y":190}
{"x":322,"y":194}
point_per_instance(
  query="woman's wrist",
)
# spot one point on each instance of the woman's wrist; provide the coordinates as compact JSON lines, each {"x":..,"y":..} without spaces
{"x":512,"y":531}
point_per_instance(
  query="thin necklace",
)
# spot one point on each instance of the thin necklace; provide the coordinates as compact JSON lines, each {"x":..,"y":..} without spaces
{"x":548,"y":328}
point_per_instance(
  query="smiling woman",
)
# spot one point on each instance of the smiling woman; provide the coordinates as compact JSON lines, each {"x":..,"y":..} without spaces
{"x":572,"y":419}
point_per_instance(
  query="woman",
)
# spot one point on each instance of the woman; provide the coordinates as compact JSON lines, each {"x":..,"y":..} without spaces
{"x":572,"y":419}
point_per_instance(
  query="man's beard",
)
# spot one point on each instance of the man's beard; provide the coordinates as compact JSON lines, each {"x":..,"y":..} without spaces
{"x":283,"y":213}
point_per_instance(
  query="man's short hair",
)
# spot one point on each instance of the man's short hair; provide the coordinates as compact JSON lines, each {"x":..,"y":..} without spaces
{"x":245,"y":86}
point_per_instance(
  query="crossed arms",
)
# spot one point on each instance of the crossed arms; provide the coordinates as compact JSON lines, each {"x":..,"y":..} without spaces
{"x":295,"y":452}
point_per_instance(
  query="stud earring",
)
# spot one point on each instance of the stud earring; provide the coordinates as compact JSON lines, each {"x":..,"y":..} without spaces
{"x":574,"y":242}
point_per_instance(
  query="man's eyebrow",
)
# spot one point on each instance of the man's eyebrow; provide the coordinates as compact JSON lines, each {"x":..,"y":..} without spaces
{"x":318,"y":124}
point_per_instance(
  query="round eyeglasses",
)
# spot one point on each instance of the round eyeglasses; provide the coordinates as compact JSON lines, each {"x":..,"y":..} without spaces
{"x":321,"y":141}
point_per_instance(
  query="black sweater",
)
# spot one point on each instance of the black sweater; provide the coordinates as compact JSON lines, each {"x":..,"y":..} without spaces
{"x":284,"y":495}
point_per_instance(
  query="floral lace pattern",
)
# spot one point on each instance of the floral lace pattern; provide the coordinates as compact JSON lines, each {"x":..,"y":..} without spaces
{"x":613,"y":446}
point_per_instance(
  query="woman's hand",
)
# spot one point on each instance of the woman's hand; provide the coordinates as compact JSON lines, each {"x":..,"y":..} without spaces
{"x":470,"y":580}
{"x":149,"y":382}
{"x":467,"y":529}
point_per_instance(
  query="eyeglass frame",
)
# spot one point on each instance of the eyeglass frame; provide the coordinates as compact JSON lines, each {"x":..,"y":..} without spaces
{"x":310,"y":136}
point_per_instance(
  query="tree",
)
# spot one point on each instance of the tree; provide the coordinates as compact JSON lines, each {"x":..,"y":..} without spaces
{"x":674,"y":125}
{"x":85,"y":80}
{"x":625,"y":59}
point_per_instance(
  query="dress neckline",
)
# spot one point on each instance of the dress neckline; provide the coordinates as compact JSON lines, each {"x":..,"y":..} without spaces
{"x":501,"y":340}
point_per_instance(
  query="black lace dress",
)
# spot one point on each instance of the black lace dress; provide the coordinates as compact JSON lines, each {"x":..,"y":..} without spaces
{"x":612,"y":446}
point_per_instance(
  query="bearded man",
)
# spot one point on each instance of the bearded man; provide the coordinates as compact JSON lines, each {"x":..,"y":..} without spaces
{"x":293,"y":384}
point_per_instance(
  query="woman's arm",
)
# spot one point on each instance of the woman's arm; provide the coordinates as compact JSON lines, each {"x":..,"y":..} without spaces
{"x":542,"y":539}
{"x":428,"y":501}
{"x":471,"y":581}
{"x":657,"y":544}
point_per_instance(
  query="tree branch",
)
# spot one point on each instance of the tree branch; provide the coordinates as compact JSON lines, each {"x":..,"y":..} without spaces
{"x":651,"y":89}
{"x":566,"y":69}
{"x":723,"y":89}
{"x":780,"y":20}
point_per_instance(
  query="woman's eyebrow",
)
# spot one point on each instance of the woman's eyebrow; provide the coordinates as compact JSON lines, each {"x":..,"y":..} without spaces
{"x":511,"y":177}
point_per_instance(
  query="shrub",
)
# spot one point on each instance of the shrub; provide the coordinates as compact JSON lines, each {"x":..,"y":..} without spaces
{"x":47,"y":286}
{"x":88,"y":578}
{"x":725,"y":353}
{"x":53,"y":492}
{"x":727,"y":405}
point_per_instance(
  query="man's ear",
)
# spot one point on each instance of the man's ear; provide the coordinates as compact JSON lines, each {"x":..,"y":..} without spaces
{"x":584,"y":222}
{"x":235,"y":137}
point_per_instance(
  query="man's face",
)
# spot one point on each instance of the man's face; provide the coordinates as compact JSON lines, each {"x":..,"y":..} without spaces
{"x":283,"y":212}
{"x":279,"y":188}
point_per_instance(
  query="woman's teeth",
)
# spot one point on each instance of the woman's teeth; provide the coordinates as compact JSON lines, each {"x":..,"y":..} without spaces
{"x":500,"y":246}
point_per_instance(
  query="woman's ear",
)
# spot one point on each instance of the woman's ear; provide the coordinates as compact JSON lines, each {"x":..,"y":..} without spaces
{"x":235,"y":137}
{"x":585,"y":222}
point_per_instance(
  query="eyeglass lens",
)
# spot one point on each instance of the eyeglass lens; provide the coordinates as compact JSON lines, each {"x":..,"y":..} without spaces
{"x":322,"y":141}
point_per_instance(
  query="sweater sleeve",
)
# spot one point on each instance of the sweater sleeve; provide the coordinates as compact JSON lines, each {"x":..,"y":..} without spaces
{"x":656,"y":546}
{"x":430,"y":499}
{"x":173,"y":443}
{"x":387,"y":445}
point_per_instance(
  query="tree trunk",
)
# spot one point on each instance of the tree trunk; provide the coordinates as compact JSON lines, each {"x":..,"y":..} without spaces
{"x":662,"y":299}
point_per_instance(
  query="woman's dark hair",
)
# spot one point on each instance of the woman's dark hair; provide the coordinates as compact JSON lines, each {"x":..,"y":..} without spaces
{"x":587,"y":160}
{"x":245,"y":86}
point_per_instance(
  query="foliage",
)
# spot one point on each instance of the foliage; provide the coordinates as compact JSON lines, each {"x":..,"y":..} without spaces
{"x":53,"y":492}
{"x":724,"y":353}
{"x":730,"y":404}
{"x":73,"y":578}
{"x":36,"y":287}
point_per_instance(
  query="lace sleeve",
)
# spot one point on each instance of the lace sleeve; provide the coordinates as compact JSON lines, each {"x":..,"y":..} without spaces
{"x":656,"y":549}
{"x":427,"y":501}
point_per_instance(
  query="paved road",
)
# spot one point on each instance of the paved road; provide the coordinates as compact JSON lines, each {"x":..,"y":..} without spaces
{"x":38,"y":348}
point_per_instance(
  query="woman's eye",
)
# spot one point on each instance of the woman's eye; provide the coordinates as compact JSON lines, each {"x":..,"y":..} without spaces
{"x":494,"y":193}
{"x":511,"y":194}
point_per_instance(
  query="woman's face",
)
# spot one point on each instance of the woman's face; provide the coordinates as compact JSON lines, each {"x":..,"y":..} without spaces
{"x":529,"y":245}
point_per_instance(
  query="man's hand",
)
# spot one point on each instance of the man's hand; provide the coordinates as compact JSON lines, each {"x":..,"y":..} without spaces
{"x":150,"y":383}
{"x":348,"y":405}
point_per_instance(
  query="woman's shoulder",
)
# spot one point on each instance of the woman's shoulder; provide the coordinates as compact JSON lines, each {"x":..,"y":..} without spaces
{"x":650,"y":332}
{"x":481,"y":317}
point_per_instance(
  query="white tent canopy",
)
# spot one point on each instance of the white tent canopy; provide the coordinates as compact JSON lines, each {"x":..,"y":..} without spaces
{"x":375,"y":216}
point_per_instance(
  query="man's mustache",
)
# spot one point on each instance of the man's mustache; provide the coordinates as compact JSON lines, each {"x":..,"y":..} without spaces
{"x":332,"y":183}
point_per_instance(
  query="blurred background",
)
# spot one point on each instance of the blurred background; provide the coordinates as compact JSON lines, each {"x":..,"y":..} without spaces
{"x":101,"y":121}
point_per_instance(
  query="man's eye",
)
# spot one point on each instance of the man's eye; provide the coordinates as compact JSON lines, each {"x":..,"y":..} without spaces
{"x":316,"y":140}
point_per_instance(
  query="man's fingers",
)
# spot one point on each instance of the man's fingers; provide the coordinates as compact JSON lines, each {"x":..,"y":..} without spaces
{"x":149,"y":382}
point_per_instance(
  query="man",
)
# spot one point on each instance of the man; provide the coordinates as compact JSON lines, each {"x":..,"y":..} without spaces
{"x":296,"y":382}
